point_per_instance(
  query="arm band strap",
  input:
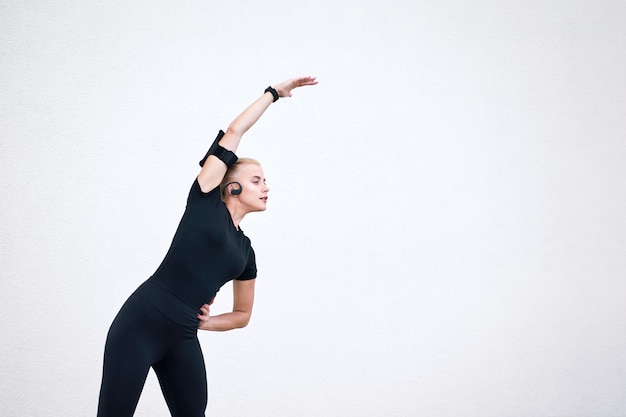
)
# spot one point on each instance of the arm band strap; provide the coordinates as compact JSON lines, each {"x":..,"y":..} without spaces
{"x":226,"y":156}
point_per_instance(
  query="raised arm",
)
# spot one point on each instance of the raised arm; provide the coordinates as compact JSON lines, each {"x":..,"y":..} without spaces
{"x":214,"y":169}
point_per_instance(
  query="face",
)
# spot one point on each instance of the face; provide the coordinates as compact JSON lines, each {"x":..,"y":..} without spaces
{"x":254,"y":193}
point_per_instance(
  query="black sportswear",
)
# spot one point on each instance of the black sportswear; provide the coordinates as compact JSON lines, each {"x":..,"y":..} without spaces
{"x":157,"y":326}
{"x":207,"y":250}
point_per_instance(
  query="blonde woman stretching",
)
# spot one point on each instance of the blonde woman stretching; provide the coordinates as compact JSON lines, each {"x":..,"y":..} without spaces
{"x":157,"y":326}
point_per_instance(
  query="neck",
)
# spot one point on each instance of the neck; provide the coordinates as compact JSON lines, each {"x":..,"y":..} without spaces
{"x":236,"y":212}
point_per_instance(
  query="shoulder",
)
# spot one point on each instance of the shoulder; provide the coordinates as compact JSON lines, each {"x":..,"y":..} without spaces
{"x":196,"y":193}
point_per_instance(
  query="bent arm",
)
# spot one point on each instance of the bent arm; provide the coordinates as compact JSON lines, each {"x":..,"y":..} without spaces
{"x":213,"y":169}
{"x":243,"y":300}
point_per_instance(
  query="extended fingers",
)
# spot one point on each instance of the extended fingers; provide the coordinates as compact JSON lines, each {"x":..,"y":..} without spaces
{"x":306,"y":81}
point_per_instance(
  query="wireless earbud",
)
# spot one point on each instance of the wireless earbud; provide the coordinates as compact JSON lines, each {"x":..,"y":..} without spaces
{"x":235,"y":191}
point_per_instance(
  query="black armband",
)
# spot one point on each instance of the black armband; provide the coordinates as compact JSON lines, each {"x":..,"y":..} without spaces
{"x":226,"y":156}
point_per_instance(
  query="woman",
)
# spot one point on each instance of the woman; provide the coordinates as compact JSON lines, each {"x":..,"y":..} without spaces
{"x":157,"y":326}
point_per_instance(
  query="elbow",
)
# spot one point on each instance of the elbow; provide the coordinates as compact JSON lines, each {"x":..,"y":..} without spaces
{"x":234,"y":129}
{"x":243,"y":320}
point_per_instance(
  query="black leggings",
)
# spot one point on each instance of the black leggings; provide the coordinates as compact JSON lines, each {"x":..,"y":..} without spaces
{"x":153,"y":329}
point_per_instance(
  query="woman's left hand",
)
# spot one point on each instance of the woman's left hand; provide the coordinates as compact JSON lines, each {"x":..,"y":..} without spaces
{"x":284,"y":88}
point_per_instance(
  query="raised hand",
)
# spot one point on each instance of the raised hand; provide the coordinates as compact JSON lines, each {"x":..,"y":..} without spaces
{"x":284,"y":88}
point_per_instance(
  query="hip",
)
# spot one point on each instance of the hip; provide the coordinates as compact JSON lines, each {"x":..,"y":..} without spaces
{"x":158,"y":297}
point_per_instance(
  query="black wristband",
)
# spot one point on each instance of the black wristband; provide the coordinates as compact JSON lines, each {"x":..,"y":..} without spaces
{"x":273,"y":91}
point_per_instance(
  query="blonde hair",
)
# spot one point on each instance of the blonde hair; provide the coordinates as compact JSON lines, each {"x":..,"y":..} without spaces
{"x":233,"y":172}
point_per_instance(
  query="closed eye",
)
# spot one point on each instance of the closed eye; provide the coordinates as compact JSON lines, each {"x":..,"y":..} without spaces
{"x":256,"y":179}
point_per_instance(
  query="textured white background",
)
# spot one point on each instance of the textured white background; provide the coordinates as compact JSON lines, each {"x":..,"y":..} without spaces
{"x":445,"y":235}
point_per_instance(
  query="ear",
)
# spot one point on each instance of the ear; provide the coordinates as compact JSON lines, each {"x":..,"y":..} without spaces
{"x":234,"y":190}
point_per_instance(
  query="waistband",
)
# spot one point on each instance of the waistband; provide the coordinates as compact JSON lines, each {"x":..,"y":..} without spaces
{"x":169,"y":304}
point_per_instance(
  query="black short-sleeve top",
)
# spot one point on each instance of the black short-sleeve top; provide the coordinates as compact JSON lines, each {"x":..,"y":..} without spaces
{"x":207,"y":250}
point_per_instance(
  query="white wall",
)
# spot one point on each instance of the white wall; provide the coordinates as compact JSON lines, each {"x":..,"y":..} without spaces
{"x":446,"y":232}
